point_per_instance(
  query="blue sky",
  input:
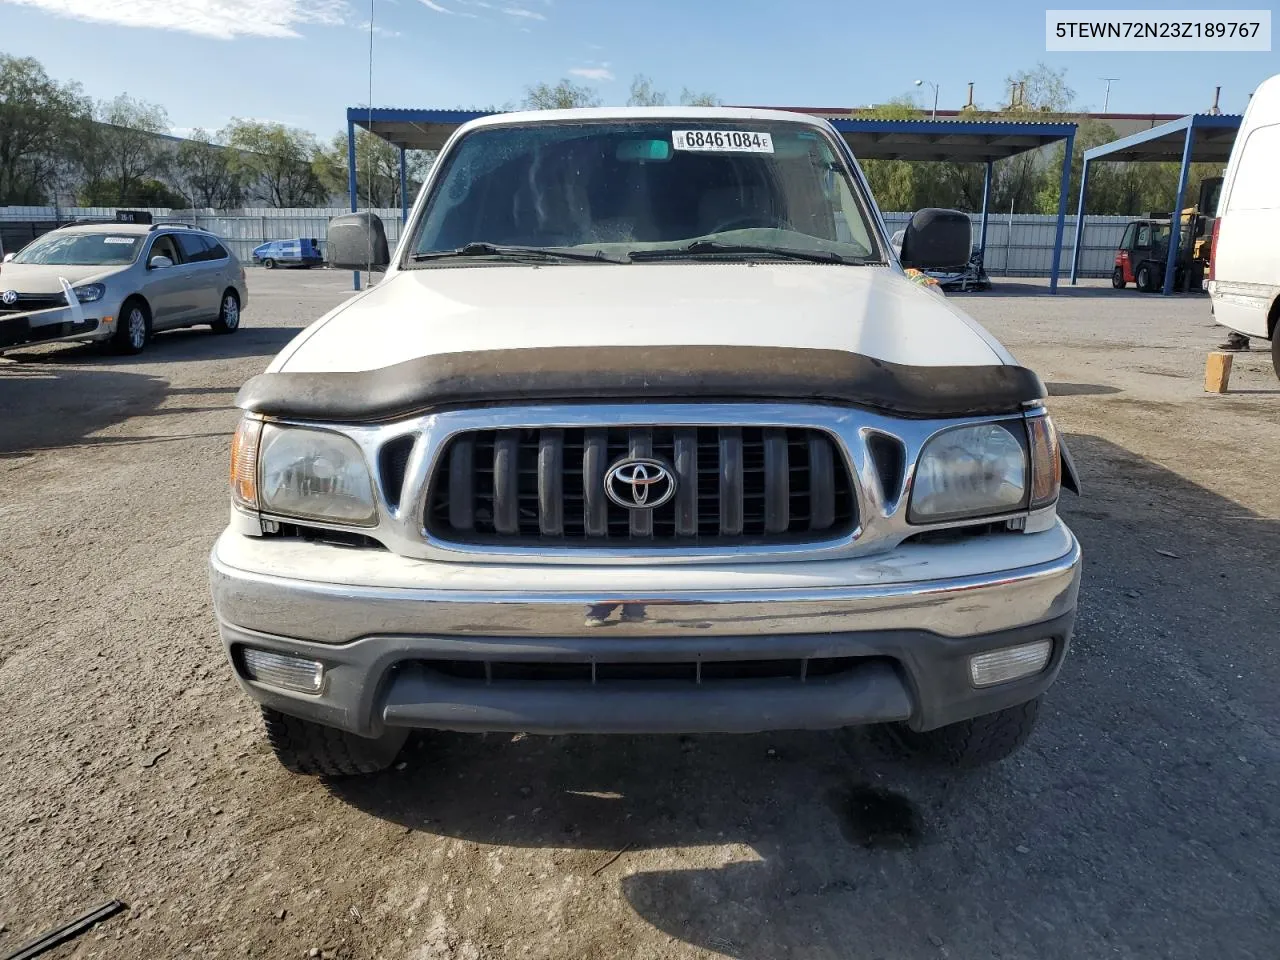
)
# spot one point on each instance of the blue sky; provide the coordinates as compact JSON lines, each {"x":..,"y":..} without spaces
{"x":301,"y":62}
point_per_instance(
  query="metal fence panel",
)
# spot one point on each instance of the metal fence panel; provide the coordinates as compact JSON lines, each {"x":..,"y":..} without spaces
{"x":1022,"y":245}
{"x":1017,"y":246}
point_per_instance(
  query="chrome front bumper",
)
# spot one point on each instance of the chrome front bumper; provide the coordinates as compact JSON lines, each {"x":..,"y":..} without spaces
{"x":377,"y":621}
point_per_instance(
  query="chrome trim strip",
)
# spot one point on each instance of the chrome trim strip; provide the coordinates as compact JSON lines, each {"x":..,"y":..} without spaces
{"x":881,"y":525}
{"x":340,"y":613}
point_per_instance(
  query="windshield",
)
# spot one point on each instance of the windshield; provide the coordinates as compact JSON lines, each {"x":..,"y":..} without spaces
{"x":622,"y":188}
{"x":81,"y":249}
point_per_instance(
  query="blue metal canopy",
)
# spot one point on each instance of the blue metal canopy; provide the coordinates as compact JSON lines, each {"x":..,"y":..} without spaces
{"x":971,"y":141}
{"x":1195,"y":138}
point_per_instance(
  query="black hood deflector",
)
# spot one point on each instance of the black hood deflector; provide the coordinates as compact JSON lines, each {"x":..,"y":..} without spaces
{"x":551,"y":374}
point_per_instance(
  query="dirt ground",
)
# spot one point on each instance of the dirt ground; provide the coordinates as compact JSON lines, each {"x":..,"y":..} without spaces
{"x":1141,"y":821}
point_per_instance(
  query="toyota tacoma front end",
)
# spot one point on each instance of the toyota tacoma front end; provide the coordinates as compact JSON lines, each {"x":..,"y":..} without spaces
{"x":644,"y":431}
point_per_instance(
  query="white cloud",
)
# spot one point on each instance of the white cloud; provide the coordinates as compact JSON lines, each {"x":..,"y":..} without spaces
{"x":222,"y":19}
{"x":379,"y":31}
{"x":522,"y":12}
{"x":593,"y":73}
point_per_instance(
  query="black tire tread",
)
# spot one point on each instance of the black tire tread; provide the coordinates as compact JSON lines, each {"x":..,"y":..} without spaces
{"x":120,"y":339}
{"x":978,"y":741}
{"x":313,"y":749}
{"x":220,"y":325}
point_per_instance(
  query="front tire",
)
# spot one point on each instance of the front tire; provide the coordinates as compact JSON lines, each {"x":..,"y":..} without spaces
{"x":1275,"y":350}
{"x":269,"y":263}
{"x":976,"y":742}
{"x":1145,"y":283}
{"x":313,"y":749}
{"x":133,"y":328}
{"x":229,"y":314}
{"x":1117,"y":278}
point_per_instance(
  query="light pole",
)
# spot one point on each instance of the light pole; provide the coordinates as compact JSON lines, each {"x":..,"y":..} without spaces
{"x":935,"y":96}
{"x":1106,"y":100}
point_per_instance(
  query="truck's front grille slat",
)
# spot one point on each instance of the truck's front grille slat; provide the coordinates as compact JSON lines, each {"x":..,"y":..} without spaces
{"x":551,"y":483}
{"x":734,"y":486}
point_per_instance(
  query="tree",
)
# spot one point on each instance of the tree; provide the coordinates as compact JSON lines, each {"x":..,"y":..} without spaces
{"x":643,"y":94}
{"x":275,"y":162}
{"x":893,"y":182}
{"x":562,"y":96}
{"x":39,"y":119}
{"x":206,"y":169}
{"x":377,"y":169}
{"x":1039,"y":90}
{"x":122,"y":149}
{"x":690,"y":98}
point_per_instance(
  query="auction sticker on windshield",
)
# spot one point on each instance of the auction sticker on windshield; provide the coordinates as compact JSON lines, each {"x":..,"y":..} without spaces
{"x":119,"y":239}
{"x":724,"y":141}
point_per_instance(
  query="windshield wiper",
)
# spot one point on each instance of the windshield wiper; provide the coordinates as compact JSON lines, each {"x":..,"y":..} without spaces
{"x":716,"y":248}
{"x":482,"y":249}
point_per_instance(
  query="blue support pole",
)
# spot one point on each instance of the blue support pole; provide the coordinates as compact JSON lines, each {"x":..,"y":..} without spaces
{"x":1075,"y":244}
{"x":404,"y":193}
{"x":1175,"y":222}
{"x":351,"y":181}
{"x":986,"y":198}
{"x":1063,"y":188}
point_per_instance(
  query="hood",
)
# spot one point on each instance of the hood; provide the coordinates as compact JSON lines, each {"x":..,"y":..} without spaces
{"x":41,"y":279}
{"x":873,"y":311}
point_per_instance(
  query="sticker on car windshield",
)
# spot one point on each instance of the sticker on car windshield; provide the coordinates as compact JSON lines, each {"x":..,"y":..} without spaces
{"x":722,"y":141}
{"x":118,"y":239}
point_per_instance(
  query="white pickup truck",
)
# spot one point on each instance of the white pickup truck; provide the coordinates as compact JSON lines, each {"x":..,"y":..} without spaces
{"x":644,"y":430}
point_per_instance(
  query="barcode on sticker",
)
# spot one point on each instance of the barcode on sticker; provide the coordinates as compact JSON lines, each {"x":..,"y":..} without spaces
{"x":117,"y":239}
{"x":724,"y":141}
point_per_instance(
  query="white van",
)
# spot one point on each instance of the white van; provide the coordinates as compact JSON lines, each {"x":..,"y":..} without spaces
{"x":1244,"y":271}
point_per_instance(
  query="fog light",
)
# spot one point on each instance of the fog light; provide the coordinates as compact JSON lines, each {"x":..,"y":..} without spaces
{"x":1001,"y":666}
{"x":283,"y":670}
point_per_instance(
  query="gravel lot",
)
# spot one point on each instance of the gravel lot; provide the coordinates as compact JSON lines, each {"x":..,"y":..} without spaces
{"x":1139,"y":822}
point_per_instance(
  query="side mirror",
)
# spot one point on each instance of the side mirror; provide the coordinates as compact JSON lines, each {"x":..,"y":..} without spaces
{"x":937,"y":239}
{"x":160,"y":262}
{"x":357,"y":241}
{"x":9,"y":256}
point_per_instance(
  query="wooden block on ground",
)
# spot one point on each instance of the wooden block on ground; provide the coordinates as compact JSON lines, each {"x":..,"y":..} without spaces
{"x":1217,"y":372}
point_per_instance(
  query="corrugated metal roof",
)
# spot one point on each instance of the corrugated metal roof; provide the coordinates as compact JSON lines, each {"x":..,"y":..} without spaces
{"x":1212,"y":136}
{"x":956,"y":139}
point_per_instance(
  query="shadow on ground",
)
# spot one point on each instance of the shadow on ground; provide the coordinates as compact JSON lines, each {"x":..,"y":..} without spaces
{"x":47,"y":407}
{"x":1139,"y":821}
{"x":1059,"y":389}
{"x":173,"y":346}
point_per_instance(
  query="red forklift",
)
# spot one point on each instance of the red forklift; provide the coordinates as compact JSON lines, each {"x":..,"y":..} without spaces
{"x":1144,"y":249}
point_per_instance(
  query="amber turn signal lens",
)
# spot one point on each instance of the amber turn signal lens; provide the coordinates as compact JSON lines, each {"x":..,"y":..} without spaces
{"x":1046,"y":461}
{"x":244,"y":464}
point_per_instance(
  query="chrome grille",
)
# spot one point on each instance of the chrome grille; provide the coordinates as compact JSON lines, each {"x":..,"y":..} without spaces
{"x":734,"y":485}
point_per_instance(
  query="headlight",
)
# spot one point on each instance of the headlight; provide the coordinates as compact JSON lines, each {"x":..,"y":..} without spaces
{"x":305,"y":473}
{"x":90,"y":292}
{"x":970,"y":472}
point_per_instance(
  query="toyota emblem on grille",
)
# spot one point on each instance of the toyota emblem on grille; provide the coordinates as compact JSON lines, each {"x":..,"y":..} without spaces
{"x":10,"y":297}
{"x":639,"y":483}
